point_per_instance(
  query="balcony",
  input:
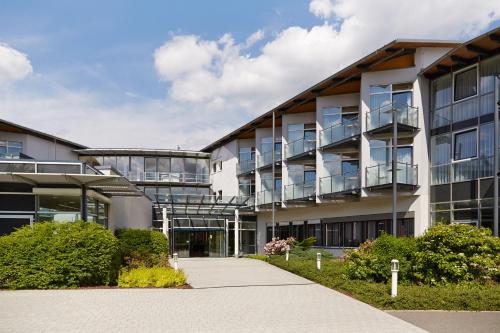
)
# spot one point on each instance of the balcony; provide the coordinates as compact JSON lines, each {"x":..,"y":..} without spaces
{"x":380,"y":120}
{"x":266,"y":159}
{"x":266,"y":197}
{"x":168,"y":177}
{"x":339,"y":185}
{"x":300,"y":192}
{"x":300,"y":148}
{"x":345,"y":134}
{"x":245,"y":167}
{"x":380,"y":176}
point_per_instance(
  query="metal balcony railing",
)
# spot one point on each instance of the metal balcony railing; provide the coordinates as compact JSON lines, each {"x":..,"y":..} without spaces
{"x":405,"y":114}
{"x":299,"y":147}
{"x":338,"y":132}
{"x":266,"y":197}
{"x":168,"y":177}
{"x":381,"y":174}
{"x":339,"y":183}
{"x":300,"y":191}
{"x":245,"y":166}
{"x":267,"y":158}
{"x":36,"y":166}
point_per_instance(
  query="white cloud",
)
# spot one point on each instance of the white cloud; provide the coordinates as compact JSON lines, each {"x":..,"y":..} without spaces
{"x":321,"y":8}
{"x":297,"y":57}
{"x":14,"y":65}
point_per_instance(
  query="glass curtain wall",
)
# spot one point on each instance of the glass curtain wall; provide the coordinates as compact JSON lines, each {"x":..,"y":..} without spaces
{"x":462,"y":142}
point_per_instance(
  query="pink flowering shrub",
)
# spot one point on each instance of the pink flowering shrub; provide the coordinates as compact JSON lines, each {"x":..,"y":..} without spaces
{"x":278,"y":246}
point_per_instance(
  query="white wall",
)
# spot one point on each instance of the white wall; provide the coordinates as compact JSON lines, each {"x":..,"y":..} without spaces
{"x":225,"y":179}
{"x":130,"y":212}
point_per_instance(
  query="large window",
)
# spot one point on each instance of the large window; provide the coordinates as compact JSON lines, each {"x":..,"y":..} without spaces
{"x":247,"y":154}
{"x":10,"y":149}
{"x":465,"y":145}
{"x":465,"y":84}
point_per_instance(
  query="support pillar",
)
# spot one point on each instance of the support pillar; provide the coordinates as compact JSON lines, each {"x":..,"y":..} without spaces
{"x":236,"y":233}
{"x":84,"y":203}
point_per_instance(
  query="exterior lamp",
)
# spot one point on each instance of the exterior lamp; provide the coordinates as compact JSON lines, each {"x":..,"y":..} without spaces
{"x":394,"y":281}
{"x":318,"y":261}
{"x":176,"y":261}
{"x":287,"y":254}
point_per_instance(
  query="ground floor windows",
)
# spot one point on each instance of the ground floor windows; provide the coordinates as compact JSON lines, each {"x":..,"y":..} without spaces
{"x":341,"y":234}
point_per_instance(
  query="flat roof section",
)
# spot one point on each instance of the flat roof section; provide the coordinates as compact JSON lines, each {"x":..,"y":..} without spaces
{"x":142,"y":152}
{"x":396,"y":54}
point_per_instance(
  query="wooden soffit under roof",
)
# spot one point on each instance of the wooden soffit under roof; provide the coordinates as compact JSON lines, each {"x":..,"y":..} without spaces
{"x":479,"y":48}
{"x":395,"y":55}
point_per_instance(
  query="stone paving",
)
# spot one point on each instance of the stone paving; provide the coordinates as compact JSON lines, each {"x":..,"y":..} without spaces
{"x":229,"y":295}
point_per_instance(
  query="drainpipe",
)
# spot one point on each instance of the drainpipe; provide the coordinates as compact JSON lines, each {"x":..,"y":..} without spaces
{"x":495,"y":173}
{"x":273,"y":180}
{"x":394,"y":172}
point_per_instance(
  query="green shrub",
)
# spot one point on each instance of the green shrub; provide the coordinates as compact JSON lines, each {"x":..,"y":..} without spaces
{"x":372,"y":261}
{"x":58,"y":255}
{"x":142,"y":248}
{"x":457,"y":252}
{"x":158,"y":277}
{"x":306,"y":243}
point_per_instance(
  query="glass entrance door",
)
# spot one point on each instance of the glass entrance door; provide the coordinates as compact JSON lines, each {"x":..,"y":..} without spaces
{"x":200,"y":243}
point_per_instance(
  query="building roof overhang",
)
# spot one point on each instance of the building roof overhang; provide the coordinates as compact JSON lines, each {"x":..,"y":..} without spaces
{"x":394,"y":55}
{"x":468,"y":53}
{"x":8,"y":126}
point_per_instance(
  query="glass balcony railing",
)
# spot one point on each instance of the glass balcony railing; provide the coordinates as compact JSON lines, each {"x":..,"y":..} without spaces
{"x":300,"y":191}
{"x":266,"y":158}
{"x":405,"y":114}
{"x":168,"y":177}
{"x":464,"y":170}
{"x":381,"y":174}
{"x":245,"y":166}
{"x":339,"y":183}
{"x":35,"y":166}
{"x":339,"y":132}
{"x":266,"y":197}
{"x":298,"y":147}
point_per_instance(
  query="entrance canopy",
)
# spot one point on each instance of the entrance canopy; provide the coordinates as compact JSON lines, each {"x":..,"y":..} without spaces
{"x":197,"y":205}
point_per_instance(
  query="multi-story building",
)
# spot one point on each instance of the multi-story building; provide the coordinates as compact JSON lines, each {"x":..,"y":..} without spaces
{"x":403,"y":138}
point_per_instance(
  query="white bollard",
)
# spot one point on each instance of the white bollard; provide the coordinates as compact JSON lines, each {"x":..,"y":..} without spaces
{"x":318,"y":261}
{"x":176,"y":263}
{"x":287,"y":254}
{"x":394,"y":281}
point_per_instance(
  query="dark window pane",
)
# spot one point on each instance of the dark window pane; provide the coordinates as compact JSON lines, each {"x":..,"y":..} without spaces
{"x":466,"y":84}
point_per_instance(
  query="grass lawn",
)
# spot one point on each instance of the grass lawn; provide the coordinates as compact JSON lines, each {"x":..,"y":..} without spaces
{"x":472,"y":297}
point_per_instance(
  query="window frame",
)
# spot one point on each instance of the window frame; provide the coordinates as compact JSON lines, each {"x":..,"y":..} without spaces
{"x":454,"y":100}
{"x":454,"y":134}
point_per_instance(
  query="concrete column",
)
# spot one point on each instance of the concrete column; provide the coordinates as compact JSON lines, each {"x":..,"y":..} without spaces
{"x":84,"y":203}
{"x":236,"y":233}
{"x":165,"y":222}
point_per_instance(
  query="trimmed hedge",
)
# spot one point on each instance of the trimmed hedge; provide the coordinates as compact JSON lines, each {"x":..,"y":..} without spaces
{"x":59,"y":255}
{"x":158,"y":277}
{"x":142,"y":248}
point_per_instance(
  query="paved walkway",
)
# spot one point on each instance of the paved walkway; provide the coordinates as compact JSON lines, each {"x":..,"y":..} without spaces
{"x":229,"y":295}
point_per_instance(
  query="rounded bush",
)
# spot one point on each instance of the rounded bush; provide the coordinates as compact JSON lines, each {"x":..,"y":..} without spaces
{"x":58,"y":255}
{"x":146,"y":277}
{"x":372,"y":261}
{"x":456,"y":253}
{"x":142,"y":248}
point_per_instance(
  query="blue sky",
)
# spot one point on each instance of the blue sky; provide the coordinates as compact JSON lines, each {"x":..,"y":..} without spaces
{"x":165,"y":73}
